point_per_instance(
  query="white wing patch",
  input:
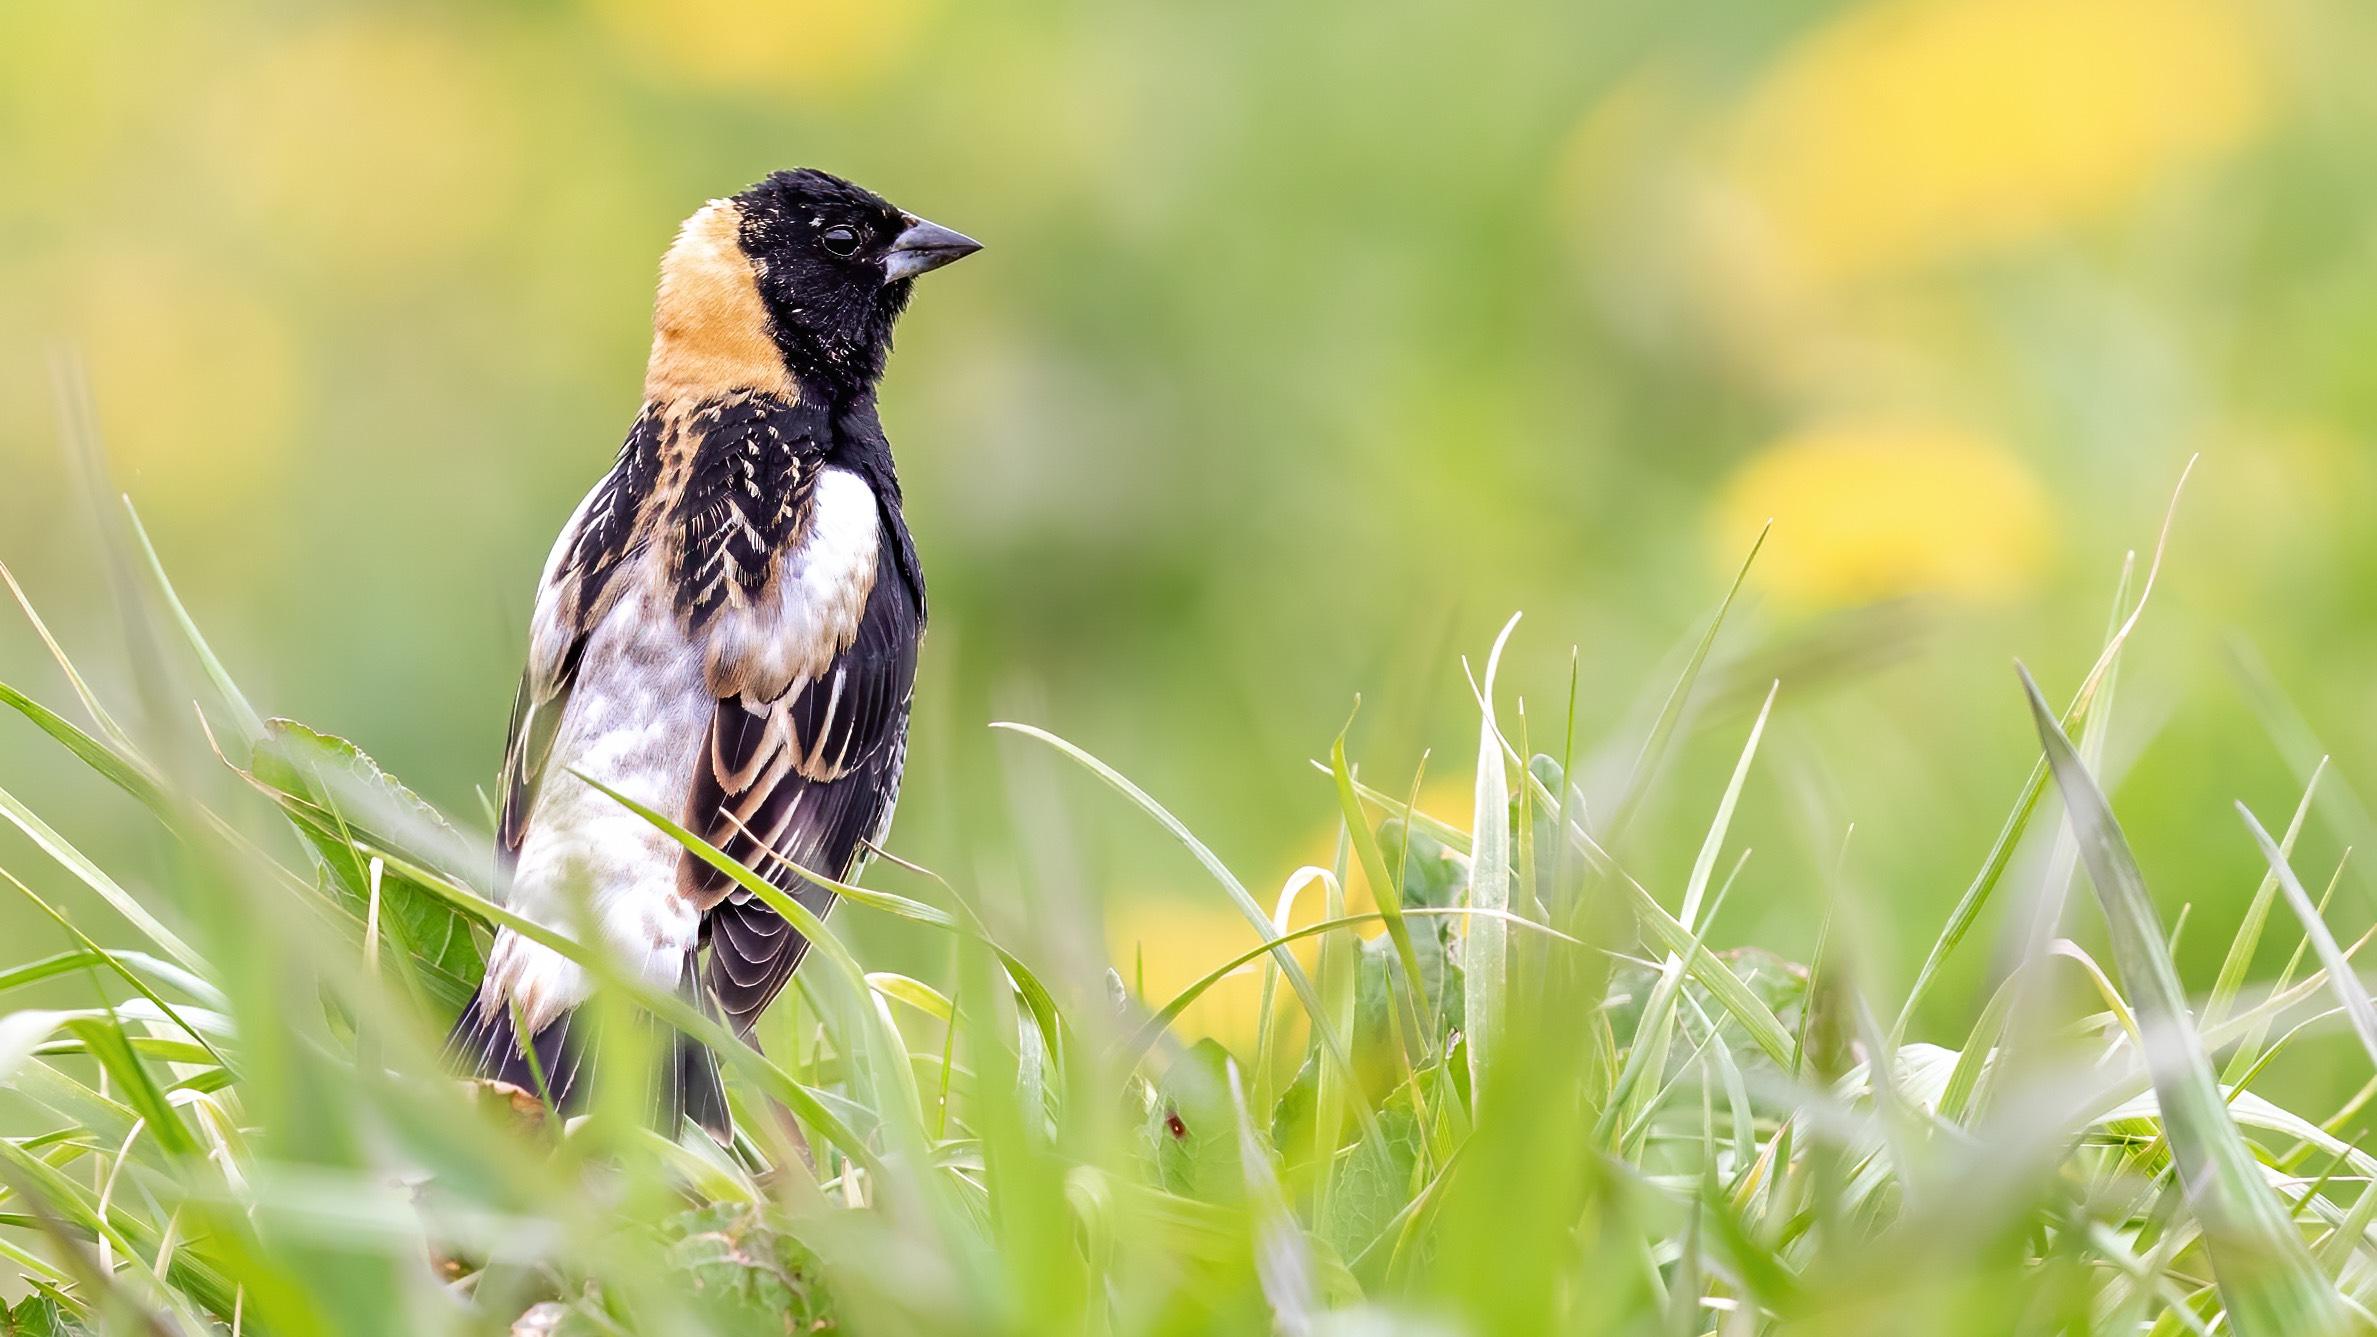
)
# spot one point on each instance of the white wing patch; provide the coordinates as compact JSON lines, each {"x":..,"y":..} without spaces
{"x":811,"y":612}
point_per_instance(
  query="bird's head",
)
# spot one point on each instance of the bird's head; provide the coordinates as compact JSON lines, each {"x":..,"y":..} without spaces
{"x":809,"y":267}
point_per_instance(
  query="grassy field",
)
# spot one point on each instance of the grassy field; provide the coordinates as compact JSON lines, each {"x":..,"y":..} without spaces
{"x":1760,"y":978}
{"x":1527,"y":1092}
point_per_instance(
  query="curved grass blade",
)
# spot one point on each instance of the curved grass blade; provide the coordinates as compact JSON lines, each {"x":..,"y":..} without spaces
{"x":1385,"y":889}
{"x":2266,"y":1275}
{"x":106,"y":958}
{"x":2357,"y":1007}
{"x":1671,"y":712}
{"x":2009,"y":834}
{"x":129,"y":775}
{"x":1289,"y":967}
{"x":1485,"y":949}
{"x":93,"y":876}
{"x":74,"y":677}
{"x":251,"y":723}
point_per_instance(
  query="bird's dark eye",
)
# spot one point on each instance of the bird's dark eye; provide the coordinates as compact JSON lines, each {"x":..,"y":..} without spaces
{"x":841,"y":239}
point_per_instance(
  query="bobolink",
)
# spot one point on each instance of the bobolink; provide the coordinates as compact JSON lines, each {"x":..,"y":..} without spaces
{"x":727,"y":630}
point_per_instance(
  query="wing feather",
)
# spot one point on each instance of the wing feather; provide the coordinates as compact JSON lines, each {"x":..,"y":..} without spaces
{"x":572,"y":595}
{"x":804,"y":780}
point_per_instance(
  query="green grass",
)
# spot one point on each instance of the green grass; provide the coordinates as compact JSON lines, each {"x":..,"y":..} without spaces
{"x":1531,"y":1093}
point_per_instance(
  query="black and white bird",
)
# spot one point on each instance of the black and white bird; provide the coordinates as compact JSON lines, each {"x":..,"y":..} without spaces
{"x":726,"y":631}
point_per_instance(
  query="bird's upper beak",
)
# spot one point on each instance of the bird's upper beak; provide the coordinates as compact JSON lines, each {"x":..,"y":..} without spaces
{"x":924,"y":247}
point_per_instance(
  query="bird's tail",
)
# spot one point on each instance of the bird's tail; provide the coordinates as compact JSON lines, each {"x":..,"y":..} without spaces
{"x":552,"y":1064}
{"x":557,"y":1064}
{"x":690,"y":1087}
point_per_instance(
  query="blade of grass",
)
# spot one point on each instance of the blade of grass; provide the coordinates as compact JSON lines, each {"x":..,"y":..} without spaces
{"x":1289,"y":967}
{"x":2266,"y":1275}
{"x":91,"y":875}
{"x":74,"y":678}
{"x":2239,"y":957}
{"x":1387,"y":891}
{"x":2009,"y":835}
{"x":2357,"y":1007}
{"x":125,"y":773}
{"x":1485,"y":955}
{"x":1671,"y":711}
{"x":251,"y":724}
{"x":107,"y":959}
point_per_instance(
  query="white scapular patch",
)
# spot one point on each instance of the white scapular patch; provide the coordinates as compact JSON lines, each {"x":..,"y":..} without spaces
{"x":812,"y":610}
{"x":635,"y":720}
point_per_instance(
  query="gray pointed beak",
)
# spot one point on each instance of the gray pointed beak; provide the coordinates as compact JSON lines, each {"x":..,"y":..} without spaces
{"x":924,"y":247}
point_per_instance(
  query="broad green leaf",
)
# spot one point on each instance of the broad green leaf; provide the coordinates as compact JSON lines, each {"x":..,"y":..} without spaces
{"x":746,"y":1274}
{"x":1191,"y":1129}
{"x":1375,"y":1184}
{"x":41,"y":1315}
{"x":337,"y":796}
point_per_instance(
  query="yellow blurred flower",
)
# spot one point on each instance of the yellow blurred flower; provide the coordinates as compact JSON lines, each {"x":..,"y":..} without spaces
{"x":1872,"y":511}
{"x":1910,"y":130}
{"x":800,"y":48}
{"x":370,"y":142}
{"x":1163,"y":944}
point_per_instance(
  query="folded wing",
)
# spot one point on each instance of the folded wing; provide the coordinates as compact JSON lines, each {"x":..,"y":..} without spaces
{"x":803,"y":780}
{"x":572,"y":595}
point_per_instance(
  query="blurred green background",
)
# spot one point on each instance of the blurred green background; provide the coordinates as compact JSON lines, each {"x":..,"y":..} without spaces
{"x":1311,"y":341}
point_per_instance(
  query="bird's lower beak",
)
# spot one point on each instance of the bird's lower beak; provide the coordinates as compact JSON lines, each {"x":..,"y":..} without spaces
{"x":924,"y":247}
